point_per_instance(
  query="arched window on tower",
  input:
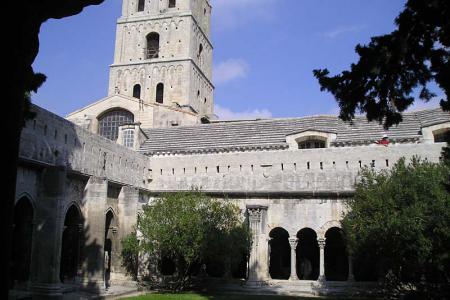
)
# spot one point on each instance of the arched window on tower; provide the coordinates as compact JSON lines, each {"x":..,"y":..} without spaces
{"x":152,"y":50}
{"x":200,"y":51}
{"x":172,"y":3}
{"x":141,"y":5}
{"x":137,"y":91}
{"x":109,"y":122}
{"x":160,"y":93}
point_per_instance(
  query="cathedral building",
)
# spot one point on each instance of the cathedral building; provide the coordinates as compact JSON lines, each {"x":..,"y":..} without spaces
{"x":83,"y":179}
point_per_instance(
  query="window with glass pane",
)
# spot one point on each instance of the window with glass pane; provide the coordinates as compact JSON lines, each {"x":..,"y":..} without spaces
{"x":128,"y":138}
{"x":108,"y":123}
{"x":311,"y":144}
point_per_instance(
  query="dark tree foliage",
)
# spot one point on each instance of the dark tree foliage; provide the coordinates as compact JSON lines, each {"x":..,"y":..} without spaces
{"x":399,"y":220}
{"x":21,"y":34}
{"x":392,"y":67}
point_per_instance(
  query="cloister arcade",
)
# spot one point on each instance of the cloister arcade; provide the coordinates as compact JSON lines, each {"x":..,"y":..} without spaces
{"x":307,"y":256}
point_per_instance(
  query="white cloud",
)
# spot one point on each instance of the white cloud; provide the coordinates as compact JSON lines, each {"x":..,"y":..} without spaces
{"x":227,"y":114}
{"x":229,"y":14}
{"x":229,"y":70}
{"x":342,"y":30}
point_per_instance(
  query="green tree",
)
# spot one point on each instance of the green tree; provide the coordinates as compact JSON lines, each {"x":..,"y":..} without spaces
{"x":192,"y":229}
{"x":400,"y":219}
{"x":392,"y":67}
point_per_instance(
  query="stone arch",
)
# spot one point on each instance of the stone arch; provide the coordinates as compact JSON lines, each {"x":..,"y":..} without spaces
{"x":308,"y":257}
{"x":71,"y":242}
{"x":324,"y":228}
{"x":279,"y":254}
{"x":22,"y":240}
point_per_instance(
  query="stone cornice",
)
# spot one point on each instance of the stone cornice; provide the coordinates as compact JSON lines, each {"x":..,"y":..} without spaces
{"x":268,"y":194}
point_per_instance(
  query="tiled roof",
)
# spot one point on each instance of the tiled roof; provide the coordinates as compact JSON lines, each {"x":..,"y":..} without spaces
{"x":271,"y":133}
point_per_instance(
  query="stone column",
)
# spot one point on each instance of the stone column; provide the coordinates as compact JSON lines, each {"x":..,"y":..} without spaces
{"x":293,"y":242}
{"x":256,"y":270}
{"x":127,"y":218}
{"x":46,"y":255}
{"x":351,"y":277}
{"x":321,"y":242}
{"x":94,"y":230}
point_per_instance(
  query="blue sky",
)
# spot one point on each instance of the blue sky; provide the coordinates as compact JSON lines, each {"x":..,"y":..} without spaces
{"x":265,"y":51}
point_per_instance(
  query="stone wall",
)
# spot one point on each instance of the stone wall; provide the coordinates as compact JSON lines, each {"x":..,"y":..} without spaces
{"x":310,"y":170}
{"x":72,"y":177}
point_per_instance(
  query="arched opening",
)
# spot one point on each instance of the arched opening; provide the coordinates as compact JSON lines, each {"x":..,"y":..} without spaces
{"x":110,"y":121}
{"x":280,"y":254}
{"x":160,"y":93}
{"x":307,"y":255}
{"x":172,"y":3}
{"x":22,"y":241}
{"x":152,"y":50}
{"x":137,"y":91}
{"x":336,"y":257}
{"x":70,"y":246}
{"x":109,"y":247}
{"x":141,"y":5}
{"x":200,"y":51}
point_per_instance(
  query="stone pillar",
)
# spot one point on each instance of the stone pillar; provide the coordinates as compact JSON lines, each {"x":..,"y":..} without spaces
{"x":46,"y":255}
{"x":351,"y":277}
{"x":94,"y":230}
{"x":256,"y":271}
{"x":321,"y":242}
{"x":293,"y":243}
{"x":127,"y":218}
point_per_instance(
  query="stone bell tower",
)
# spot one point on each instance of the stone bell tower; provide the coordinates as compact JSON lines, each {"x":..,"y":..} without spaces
{"x":163,"y":54}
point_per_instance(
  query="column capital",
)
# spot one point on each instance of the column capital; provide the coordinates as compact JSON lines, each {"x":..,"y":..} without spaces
{"x":255,"y":212}
{"x":293,"y":241}
{"x":321,"y":242}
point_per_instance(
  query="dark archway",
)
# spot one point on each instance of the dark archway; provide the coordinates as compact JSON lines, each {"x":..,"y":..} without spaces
{"x":152,"y":50}
{"x":22,"y":241}
{"x":280,"y":254}
{"x":160,"y":93}
{"x":141,"y":5}
{"x":70,"y":245}
{"x":308,"y":258}
{"x":336,"y":257}
{"x":137,"y":91}
{"x":172,"y":3}
{"x":109,"y":248}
